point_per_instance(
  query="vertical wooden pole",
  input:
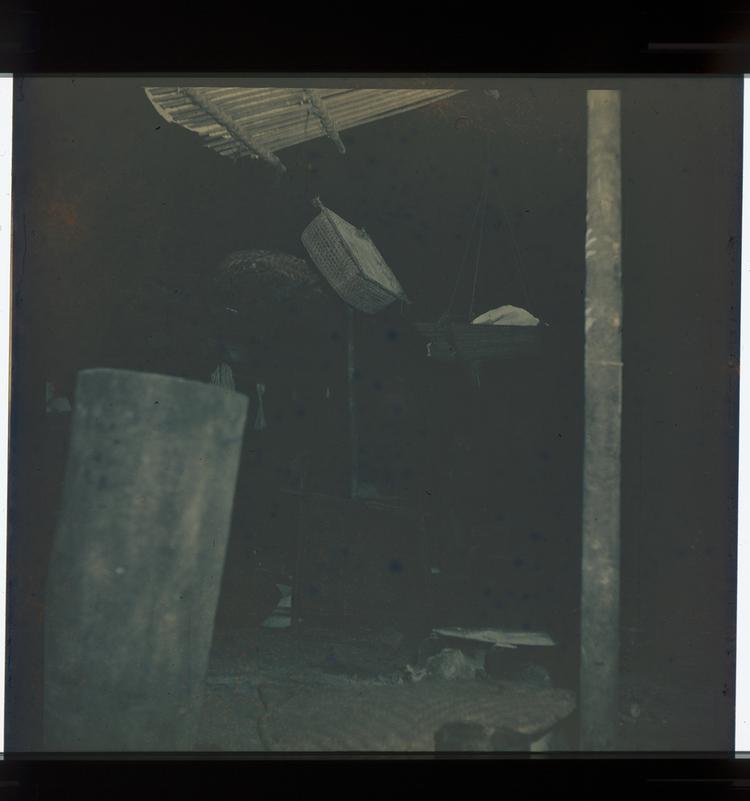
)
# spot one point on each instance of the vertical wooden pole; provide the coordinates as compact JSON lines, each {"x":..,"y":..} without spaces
{"x":353,"y":432}
{"x":600,"y":587}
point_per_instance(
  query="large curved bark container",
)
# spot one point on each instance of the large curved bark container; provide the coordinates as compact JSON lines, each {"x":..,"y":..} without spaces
{"x":137,"y":560}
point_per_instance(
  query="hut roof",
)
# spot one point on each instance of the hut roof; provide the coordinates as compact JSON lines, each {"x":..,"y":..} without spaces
{"x":239,"y":122}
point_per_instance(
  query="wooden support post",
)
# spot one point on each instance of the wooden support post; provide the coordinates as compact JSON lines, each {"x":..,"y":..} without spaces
{"x":600,"y":587}
{"x":353,"y":431}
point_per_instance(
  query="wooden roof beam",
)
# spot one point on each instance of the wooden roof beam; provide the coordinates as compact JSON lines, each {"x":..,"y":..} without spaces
{"x":315,"y":100}
{"x":200,"y":99}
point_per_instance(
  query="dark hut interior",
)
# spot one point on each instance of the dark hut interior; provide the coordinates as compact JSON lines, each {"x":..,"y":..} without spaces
{"x":137,"y":248}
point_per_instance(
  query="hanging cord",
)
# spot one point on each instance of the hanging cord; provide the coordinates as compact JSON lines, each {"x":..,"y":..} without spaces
{"x":481,"y":227}
{"x":463,"y":261}
{"x":260,"y":417}
{"x":519,"y":260}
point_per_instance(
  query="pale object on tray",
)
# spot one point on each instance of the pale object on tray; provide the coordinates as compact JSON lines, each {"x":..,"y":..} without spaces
{"x":506,"y":315}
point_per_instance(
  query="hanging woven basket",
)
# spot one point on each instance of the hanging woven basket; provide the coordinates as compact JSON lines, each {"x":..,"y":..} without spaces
{"x":351,"y":263}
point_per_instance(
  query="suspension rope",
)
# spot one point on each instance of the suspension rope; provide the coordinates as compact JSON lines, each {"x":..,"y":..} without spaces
{"x":463,"y":261}
{"x":481,"y":226}
{"x":518,"y":263}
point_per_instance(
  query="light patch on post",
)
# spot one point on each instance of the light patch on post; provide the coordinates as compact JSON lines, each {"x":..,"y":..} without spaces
{"x":589,"y":315}
{"x":590,"y":242}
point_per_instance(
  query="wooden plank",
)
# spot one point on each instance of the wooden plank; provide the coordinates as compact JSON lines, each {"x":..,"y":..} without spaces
{"x":137,"y":560}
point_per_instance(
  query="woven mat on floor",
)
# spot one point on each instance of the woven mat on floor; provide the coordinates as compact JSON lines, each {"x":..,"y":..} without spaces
{"x":406,"y":717}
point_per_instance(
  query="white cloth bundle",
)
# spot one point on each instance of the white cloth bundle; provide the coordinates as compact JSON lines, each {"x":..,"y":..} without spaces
{"x":506,"y":315}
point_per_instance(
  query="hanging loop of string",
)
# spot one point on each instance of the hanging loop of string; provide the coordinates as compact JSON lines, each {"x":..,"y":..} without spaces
{"x":481,"y":209}
{"x":517,"y":250}
{"x":481,"y":225}
{"x":452,"y":299}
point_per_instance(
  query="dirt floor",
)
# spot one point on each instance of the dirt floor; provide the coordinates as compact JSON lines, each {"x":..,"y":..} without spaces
{"x":371,"y":687}
{"x":252,"y":675}
{"x":667,"y":715}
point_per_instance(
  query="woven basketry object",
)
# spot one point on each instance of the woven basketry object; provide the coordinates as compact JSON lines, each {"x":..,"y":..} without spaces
{"x":350,"y":262}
